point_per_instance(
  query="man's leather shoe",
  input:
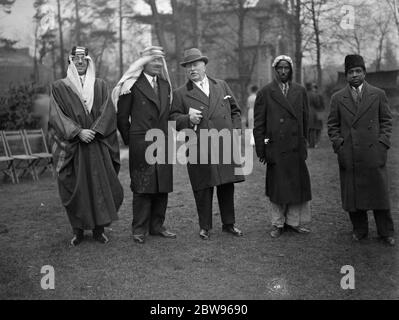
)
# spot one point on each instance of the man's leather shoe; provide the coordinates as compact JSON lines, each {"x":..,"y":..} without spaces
{"x":76,"y":240}
{"x":389,"y":240}
{"x":139,"y":238}
{"x":358,"y":237}
{"x":298,"y":229}
{"x":204,"y":234}
{"x":167,"y":234}
{"x":100,"y":237}
{"x":233,"y":230}
{"x":276,"y":232}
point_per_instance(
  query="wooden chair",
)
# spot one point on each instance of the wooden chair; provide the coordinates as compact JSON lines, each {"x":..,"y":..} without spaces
{"x":17,"y":149}
{"x":6,"y":162}
{"x":36,"y":145}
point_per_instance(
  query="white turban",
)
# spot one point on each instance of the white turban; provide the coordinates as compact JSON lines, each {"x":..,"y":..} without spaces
{"x":132,"y":74}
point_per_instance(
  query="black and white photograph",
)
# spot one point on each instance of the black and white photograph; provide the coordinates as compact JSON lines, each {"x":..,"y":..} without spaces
{"x":199,"y":155}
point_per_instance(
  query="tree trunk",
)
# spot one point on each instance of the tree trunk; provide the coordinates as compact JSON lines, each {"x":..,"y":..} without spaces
{"x":77,"y":26}
{"x":120,"y":40}
{"x":159,"y":31}
{"x":318,"y":45}
{"x":53,"y":60}
{"x":178,"y":42}
{"x":298,"y":42}
{"x":242,"y":68}
{"x":35,"y":64}
{"x":62,"y":56}
{"x":196,"y":24}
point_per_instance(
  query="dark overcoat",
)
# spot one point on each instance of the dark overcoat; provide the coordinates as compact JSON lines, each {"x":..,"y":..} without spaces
{"x":220,"y":111}
{"x":361,"y":140}
{"x":138,"y":112}
{"x":283,"y":120}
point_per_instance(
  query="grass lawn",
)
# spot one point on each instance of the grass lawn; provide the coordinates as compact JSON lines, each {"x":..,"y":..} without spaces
{"x":34,"y":231}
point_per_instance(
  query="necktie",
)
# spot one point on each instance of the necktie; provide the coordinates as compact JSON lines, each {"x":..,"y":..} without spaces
{"x":285,"y":89}
{"x":202,"y":86}
{"x":155,"y":86}
{"x":357,"y":98}
{"x":81,"y":81}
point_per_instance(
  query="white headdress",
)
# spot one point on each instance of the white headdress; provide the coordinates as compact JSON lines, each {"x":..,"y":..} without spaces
{"x":132,"y":74}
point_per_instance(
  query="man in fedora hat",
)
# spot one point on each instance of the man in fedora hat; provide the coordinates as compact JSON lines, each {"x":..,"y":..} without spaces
{"x":143,"y":98}
{"x":204,"y":103}
{"x":360,"y":127}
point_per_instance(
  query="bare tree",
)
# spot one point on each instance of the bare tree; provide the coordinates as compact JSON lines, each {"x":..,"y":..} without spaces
{"x":77,"y":23}
{"x":382,"y":22}
{"x":176,"y":16}
{"x":61,"y":39}
{"x":157,"y":23}
{"x":196,"y":21}
{"x":393,"y":5}
{"x":120,"y":39}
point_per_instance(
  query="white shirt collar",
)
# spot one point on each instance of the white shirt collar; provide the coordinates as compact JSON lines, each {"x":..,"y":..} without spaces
{"x":150,"y":78}
{"x":204,"y":81}
{"x":360,"y":87}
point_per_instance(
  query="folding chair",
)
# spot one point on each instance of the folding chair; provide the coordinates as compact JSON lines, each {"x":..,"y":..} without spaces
{"x":36,"y":145}
{"x":17,"y":149}
{"x":6,"y":162}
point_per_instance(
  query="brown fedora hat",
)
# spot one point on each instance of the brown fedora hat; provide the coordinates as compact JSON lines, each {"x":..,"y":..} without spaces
{"x":192,"y":55}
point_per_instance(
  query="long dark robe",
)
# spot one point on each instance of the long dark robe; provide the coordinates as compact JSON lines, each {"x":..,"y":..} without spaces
{"x":87,"y":172}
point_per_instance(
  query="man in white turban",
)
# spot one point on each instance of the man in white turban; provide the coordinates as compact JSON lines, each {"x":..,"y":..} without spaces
{"x":143,"y":98}
{"x":281,"y":117}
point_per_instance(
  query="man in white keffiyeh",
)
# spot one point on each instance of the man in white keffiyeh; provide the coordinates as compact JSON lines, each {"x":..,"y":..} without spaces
{"x":143,"y":100}
{"x":82,"y":74}
{"x":136,"y":68}
{"x":84,"y":143}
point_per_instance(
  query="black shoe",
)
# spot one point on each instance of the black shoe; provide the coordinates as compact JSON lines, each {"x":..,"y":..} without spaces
{"x":139,"y":238}
{"x":101,"y":237}
{"x":389,"y":241}
{"x":166,"y":234}
{"x":204,"y":234}
{"x":298,"y":229}
{"x":358,"y":237}
{"x":232,"y":229}
{"x":276,"y":232}
{"x":77,"y":239}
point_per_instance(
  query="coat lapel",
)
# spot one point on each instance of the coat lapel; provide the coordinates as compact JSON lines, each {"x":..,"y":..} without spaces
{"x":163,"y":95}
{"x":278,"y":96}
{"x":368,"y":97}
{"x":144,"y":86}
{"x":215,"y":95}
{"x":347,"y":100}
{"x":194,"y":92}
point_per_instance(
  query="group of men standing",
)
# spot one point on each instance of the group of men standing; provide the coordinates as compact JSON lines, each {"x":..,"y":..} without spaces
{"x":83,"y":127}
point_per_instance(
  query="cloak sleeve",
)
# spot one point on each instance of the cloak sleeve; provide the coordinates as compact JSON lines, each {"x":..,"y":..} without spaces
{"x":105,"y":124}
{"x":64,"y":126}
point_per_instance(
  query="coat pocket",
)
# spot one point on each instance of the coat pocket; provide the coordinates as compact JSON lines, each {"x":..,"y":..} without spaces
{"x":381,"y":154}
